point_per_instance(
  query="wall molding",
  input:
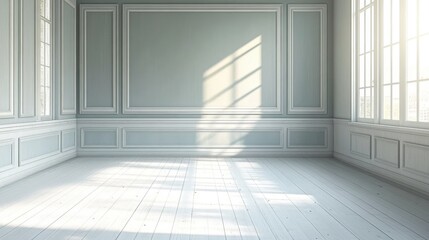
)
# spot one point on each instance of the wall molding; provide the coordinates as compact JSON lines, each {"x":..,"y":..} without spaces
{"x":22,"y":114}
{"x":63,"y":110}
{"x":65,"y":132}
{"x":106,"y":8}
{"x":308,"y":129}
{"x":280,"y":131}
{"x":383,"y":160}
{"x":264,"y":147}
{"x":11,"y":112}
{"x":11,"y":143}
{"x":355,"y":151}
{"x":25,"y":139}
{"x":322,"y":9}
{"x":85,"y":130}
{"x":242,"y":8}
{"x":418,"y":171}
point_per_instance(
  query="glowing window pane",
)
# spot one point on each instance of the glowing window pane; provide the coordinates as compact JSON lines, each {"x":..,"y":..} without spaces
{"x":412,"y":101}
{"x":424,"y":101}
{"x":386,"y":102}
{"x":412,"y":60}
{"x":423,"y":16}
{"x":395,"y":102}
{"x":412,"y":18}
{"x":387,"y":66}
{"x":424,"y":57}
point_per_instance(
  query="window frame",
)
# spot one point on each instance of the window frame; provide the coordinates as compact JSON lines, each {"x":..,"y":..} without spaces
{"x":51,"y":66}
{"x":378,"y":102}
{"x":356,"y":64}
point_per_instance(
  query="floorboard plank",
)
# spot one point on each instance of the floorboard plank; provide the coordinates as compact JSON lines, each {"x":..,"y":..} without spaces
{"x":209,"y":198}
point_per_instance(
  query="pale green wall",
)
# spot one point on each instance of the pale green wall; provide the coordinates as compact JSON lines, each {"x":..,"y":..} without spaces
{"x":342,"y":59}
{"x":176,"y":87}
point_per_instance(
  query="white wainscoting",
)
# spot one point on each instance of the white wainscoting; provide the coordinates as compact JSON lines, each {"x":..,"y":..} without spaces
{"x":386,"y":151}
{"x":360,"y":144}
{"x":398,"y":153}
{"x":31,"y":147}
{"x":203,"y":137}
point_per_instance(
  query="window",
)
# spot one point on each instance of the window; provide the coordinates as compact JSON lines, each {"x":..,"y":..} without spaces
{"x":389,"y":69}
{"x":366,"y":54}
{"x":392,"y":61}
{"x":45,"y":58}
{"x":417,"y":78}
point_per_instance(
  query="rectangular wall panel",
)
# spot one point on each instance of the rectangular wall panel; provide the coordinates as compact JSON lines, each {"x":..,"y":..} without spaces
{"x":416,"y":158}
{"x":307,"y":80}
{"x":360,"y":144}
{"x":28,"y":58}
{"x":202,"y":138}
{"x":68,"y":140}
{"x":98,"y":33}
{"x":68,"y":57}
{"x":6,"y":58}
{"x":6,"y":153}
{"x":307,"y":138}
{"x":99,"y":138}
{"x":208,"y":59}
{"x":33,"y":148}
{"x":387,"y":151}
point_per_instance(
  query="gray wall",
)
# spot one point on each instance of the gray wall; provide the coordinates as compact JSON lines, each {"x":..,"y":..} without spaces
{"x":342,"y":59}
{"x":164,"y":77}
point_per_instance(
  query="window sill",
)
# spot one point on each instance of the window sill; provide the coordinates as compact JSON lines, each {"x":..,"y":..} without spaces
{"x":392,"y":128}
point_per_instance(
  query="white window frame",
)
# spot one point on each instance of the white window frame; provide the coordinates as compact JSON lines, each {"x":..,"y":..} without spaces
{"x":51,"y":60}
{"x":378,"y":85}
{"x":356,"y":65}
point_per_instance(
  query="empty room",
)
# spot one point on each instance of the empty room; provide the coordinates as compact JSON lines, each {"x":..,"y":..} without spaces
{"x":214,"y":119}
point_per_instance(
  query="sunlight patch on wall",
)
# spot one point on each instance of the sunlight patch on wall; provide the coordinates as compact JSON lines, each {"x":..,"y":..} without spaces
{"x":236,"y":80}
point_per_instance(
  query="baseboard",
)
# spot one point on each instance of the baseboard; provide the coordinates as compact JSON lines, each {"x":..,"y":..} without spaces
{"x":402,"y":181}
{"x":202,"y":153}
{"x":16,"y":174}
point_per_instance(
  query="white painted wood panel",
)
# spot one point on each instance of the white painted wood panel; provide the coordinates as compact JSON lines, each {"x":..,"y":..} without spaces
{"x":6,"y":58}
{"x":223,"y":86}
{"x":360,"y":144}
{"x":307,"y":59}
{"x":386,"y":151}
{"x":416,"y":158}
{"x":209,"y":198}
{"x":98,"y":58}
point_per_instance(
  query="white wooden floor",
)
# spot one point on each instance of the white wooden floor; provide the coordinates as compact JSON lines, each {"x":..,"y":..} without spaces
{"x":209,"y":199}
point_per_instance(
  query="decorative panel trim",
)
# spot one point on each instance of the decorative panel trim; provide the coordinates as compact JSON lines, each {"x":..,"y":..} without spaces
{"x":22,"y":140}
{"x":322,"y":9}
{"x":84,"y":9}
{"x":98,"y":129}
{"x":246,"y":130}
{"x":242,"y":8}
{"x":21,"y":61}
{"x":10,"y":113}
{"x":63,"y":133}
{"x":11,"y":143}
{"x":63,"y":110}
{"x":352,"y":147}
{"x":406,"y":147}
{"x":376,"y":151}
{"x":309,"y":129}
